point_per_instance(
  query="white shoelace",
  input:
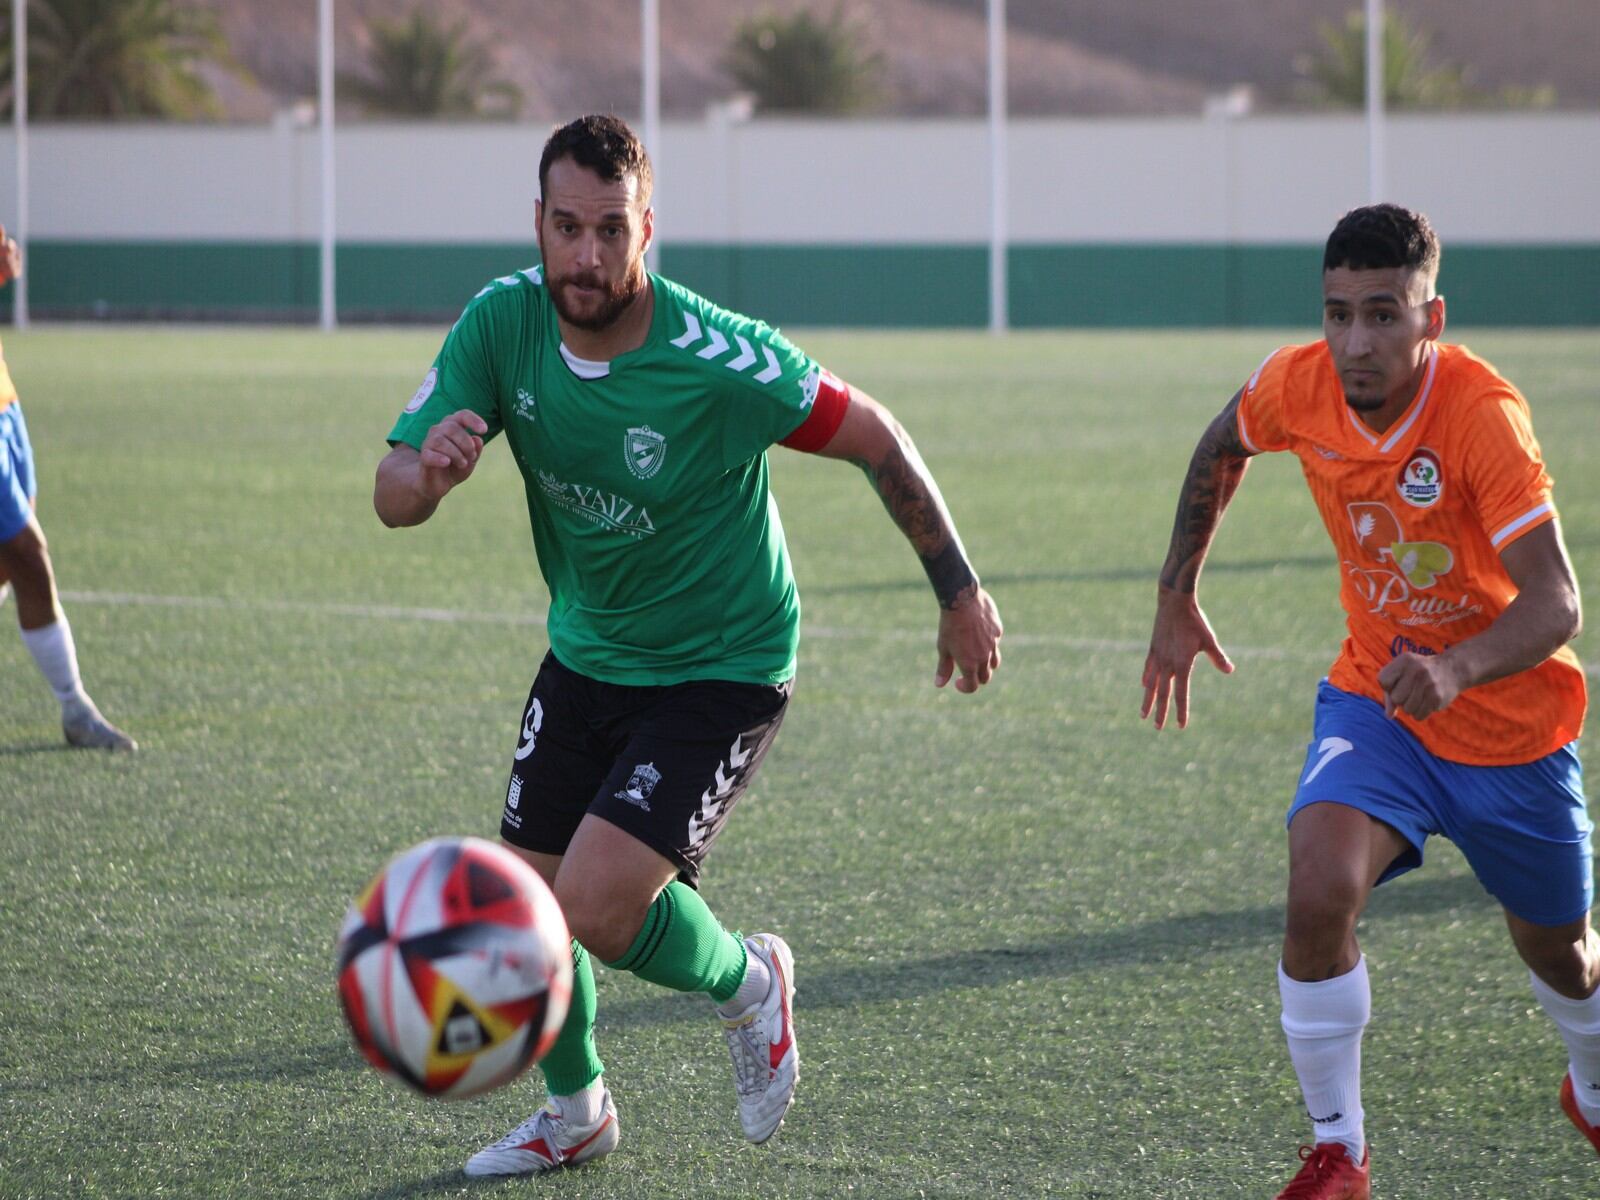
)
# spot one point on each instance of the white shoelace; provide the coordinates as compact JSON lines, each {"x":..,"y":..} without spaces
{"x":541,"y":1124}
{"x":750,"y":1050}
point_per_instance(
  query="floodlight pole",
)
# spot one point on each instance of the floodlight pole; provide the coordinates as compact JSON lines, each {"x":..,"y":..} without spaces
{"x":650,"y":75}
{"x":998,"y":315}
{"x":1375,"y":113}
{"x":19,"y":110}
{"x":328,"y":303}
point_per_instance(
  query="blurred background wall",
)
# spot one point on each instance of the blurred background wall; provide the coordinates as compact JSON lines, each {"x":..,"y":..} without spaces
{"x":817,"y":163}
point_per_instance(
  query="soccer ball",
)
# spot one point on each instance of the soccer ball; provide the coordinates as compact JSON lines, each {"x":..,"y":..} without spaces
{"x":455,"y":967}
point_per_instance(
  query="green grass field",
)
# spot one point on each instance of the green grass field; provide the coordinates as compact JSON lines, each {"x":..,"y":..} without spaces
{"x":1035,"y":941}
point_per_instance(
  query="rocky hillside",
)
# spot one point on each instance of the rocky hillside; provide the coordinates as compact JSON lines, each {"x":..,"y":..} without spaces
{"x":1083,"y":57}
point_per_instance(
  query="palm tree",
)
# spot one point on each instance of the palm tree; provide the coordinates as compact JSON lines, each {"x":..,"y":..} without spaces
{"x":420,"y":67}
{"x":802,"y":63}
{"x":1337,"y":75}
{"x":117,"y":58}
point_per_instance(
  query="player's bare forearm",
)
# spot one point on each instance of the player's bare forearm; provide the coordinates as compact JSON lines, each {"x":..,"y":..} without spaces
{"x":1527,"y":633}
{"x":411,"y":482}
{"x":397,"y":492}
{"x":1215,"y":470}
{"x":873,"y":440}
{"x":912,"y":498}
{"x":1546,"y":614}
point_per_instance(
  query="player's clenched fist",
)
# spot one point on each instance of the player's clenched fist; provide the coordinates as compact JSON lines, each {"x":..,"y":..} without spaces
{"x":1418,"y":684}
{"x":450,"y":451}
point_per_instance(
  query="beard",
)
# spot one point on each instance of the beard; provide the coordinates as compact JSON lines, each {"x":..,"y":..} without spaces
{"x":1365,"y":403}
{"x":614,"y":298}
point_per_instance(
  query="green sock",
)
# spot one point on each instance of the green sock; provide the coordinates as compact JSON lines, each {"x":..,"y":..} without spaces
{"x":684,"y":947}
{"x":572,"y":1063}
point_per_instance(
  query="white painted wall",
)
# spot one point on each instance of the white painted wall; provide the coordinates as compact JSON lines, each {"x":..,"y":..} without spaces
{"x":1492,"y":178}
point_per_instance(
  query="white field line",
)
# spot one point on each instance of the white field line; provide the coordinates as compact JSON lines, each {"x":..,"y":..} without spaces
{"x":394,"y":612}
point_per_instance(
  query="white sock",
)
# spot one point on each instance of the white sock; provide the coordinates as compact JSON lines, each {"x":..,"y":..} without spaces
{"x":1579,"y":1023}
{"x":584,"y":1107}
{"x":1323,"y":1022}
{"x":53,"y":650}
{"x":757,"y":982}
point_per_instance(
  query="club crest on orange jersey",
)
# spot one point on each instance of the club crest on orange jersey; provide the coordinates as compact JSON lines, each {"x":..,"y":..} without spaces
{"x":1421,"y":483}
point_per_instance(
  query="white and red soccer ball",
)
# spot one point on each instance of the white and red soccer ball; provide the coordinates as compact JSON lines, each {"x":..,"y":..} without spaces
{"x":455,"y":967}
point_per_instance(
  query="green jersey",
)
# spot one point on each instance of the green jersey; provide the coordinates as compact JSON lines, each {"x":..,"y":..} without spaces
{"x":646,"y":478}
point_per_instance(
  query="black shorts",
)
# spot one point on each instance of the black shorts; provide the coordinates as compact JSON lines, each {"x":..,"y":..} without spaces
{"x":664,"y":764}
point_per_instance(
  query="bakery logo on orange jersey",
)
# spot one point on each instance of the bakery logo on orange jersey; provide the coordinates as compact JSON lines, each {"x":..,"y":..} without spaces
{"x":1404,"y":568}
{"x":1421,"y":484}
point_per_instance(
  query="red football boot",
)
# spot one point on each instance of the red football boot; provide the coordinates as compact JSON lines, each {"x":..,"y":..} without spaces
{"x":1569,"y":1105}
{"x":1329,"y":1174}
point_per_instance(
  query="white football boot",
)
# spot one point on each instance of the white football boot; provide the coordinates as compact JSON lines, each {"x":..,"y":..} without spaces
{"x":547,"y":1140}
{"x":87,"y":729}
{"x":766,"y":1064}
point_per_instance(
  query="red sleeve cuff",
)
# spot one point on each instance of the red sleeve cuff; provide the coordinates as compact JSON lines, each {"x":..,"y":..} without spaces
{"x":827,"y":414}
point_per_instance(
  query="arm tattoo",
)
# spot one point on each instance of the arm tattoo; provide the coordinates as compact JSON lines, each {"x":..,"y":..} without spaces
{"x":912,"y":498}
{"x":1214,"y":474}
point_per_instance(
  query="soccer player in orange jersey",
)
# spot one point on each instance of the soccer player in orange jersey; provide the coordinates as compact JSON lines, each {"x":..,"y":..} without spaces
{"x":1454,"y":705}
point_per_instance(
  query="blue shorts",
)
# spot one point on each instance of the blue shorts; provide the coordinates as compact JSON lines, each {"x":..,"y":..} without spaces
{"x":17,"y":484}
{"x":1523,"y":829}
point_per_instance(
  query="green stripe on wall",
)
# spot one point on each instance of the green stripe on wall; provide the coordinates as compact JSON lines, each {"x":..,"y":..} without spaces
{"x":839,"y":285}
{"x":138,"y":278}
{"x":932,"y":285}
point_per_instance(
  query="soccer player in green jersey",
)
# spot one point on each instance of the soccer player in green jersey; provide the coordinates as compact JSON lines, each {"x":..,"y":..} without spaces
{"x":640,"y":415}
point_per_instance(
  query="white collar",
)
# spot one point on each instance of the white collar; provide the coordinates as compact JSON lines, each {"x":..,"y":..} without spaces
{"x":584,"y":368}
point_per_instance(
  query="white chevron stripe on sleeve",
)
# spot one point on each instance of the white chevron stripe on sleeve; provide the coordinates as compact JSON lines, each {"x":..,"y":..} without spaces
{"x":716,"y":346}
{"x":773,"y":369}
{"x":746,"y":355}
{"x":691,"y":335}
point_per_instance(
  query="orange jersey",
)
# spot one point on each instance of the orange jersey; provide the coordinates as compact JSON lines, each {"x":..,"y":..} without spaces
{"x":1419,"y":515}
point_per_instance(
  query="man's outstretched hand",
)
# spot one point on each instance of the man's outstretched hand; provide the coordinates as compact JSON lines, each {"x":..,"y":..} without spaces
{"x":1181,"y":632}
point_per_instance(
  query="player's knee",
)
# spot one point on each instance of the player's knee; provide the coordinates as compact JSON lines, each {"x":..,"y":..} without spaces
{"x":606,"y":939}
{"x":604,"y":923}
{"x":1323,"y":911}
{"x":1566,"y":968}
{"x":27,"y":555}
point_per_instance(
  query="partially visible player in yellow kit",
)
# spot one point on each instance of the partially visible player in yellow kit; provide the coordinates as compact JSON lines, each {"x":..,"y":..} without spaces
{"x":1453,"y":707}
{"x":25,"y":564}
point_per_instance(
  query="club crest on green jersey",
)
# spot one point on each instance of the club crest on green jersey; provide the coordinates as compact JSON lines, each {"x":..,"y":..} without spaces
{"x":644,"y":450}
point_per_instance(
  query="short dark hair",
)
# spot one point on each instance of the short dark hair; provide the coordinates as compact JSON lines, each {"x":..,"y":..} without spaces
{"x":1381,"y":236}
{"x":604,"y":145}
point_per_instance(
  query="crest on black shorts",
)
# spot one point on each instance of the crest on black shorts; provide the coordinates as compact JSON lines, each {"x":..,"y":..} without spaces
{"x":644,"y":450}
{"x":640,"y":784}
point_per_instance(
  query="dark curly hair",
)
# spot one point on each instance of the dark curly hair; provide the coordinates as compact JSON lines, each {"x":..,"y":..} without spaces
{"x":1380,"y":236}
{"x":603,"y":144}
